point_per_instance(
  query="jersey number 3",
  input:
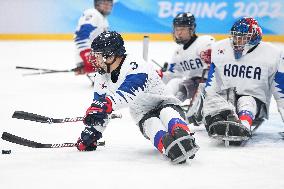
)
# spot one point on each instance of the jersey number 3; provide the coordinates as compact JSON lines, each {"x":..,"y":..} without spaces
{"x":134,"y":65}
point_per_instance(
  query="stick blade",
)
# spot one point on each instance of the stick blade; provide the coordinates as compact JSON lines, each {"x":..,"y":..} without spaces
{"x":29,"y":143}
{"x":31,"y":117}
{"x":21,"y":141}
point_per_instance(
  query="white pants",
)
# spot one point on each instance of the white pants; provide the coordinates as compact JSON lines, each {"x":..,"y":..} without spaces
{"x":247,"y":103}
{"x":155,"y":124}
{"x":173,"y":85}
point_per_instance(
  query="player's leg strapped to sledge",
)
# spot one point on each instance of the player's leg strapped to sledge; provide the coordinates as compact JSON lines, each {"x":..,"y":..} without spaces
{"x":169,"y":133}
{"x":230,"y":117}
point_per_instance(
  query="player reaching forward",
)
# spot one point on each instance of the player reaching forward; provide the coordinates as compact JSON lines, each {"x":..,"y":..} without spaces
{"x":124,"y":81}
{"x":189,"y":65}
{"x":244,"y":74}
{"x":90,"y":25}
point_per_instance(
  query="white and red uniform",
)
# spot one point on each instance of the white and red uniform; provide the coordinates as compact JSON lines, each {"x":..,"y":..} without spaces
{"x":139,"y":87}
{"x":257,"y":75}
{"x":186,"y":63}
{"x":90,"y":25}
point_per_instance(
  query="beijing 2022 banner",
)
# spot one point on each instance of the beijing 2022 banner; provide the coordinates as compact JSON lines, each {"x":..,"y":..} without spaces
{"x":212,"y":16}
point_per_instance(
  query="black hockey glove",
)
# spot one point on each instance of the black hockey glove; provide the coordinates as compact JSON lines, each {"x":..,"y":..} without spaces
{"x":88,"y":139}
{"x":98,"y":111}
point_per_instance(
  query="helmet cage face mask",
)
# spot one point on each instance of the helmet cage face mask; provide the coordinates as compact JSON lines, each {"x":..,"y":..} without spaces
{"x":245,"y":34}
{"x":107,"y":47}
{"x":99,"y":59}
{"x":240,"y":41}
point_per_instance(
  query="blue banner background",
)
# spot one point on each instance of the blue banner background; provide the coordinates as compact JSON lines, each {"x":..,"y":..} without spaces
{"x":211,"y":16}
{"x":139,"y":16}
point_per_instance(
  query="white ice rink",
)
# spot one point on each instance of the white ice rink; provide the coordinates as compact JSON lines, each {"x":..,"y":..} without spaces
{"x":128,"y":161}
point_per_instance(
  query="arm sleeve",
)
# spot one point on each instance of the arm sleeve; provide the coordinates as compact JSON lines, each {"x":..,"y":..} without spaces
{"x":174,"y":70}
{"x":278,"y":86}
{"x":87,"y":24}
{"x":204,"y":49}
{"x":212,"y":83}
{"x":131,"y":89}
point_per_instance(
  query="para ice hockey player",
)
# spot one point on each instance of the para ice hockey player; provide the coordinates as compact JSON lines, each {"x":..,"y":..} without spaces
{"x":90,"y":25}
{"x":244,"y":74}
{"x":189,"y":65}
{"x":124,"y":81}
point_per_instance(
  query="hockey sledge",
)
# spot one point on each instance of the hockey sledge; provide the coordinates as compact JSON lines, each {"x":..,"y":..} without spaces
{"x":185,"y":155}
{"x":232,"y":133}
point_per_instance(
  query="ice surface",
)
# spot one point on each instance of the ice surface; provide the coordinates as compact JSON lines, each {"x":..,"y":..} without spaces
{"x":127,"y":160}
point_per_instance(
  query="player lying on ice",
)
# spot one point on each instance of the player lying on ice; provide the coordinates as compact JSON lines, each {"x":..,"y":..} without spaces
{"x":124,"y":81}
{"x":186,"y":74}
{"x":244,"y":74}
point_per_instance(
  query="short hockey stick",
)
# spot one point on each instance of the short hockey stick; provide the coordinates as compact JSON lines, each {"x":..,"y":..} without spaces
{"x":29,"y":143}
{"x":32,"y":68}
{"x":155,"y":62}
{"x":44,"y":119}
{"x":43,"y":70}
{"x":164,"y":68}
{"x":47,"y":72}
{"x":90,"y":78}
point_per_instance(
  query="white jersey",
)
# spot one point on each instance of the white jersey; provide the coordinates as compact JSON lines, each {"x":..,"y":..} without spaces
{"x":186,"y":63}
{"x":90,"y":25}
{"x":138,"y":87}
{"x":259,"y":73}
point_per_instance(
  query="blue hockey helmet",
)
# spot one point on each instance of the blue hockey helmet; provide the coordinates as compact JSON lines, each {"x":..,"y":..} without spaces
{"x":245,"y":34}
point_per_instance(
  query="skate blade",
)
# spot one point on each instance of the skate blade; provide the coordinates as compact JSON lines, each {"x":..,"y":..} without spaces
{"x":227,"y":125}
{"x":186,"y":156}
{"x":230,"y":138}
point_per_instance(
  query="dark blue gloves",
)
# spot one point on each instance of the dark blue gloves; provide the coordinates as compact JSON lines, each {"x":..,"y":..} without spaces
{"x":98,"y":111}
